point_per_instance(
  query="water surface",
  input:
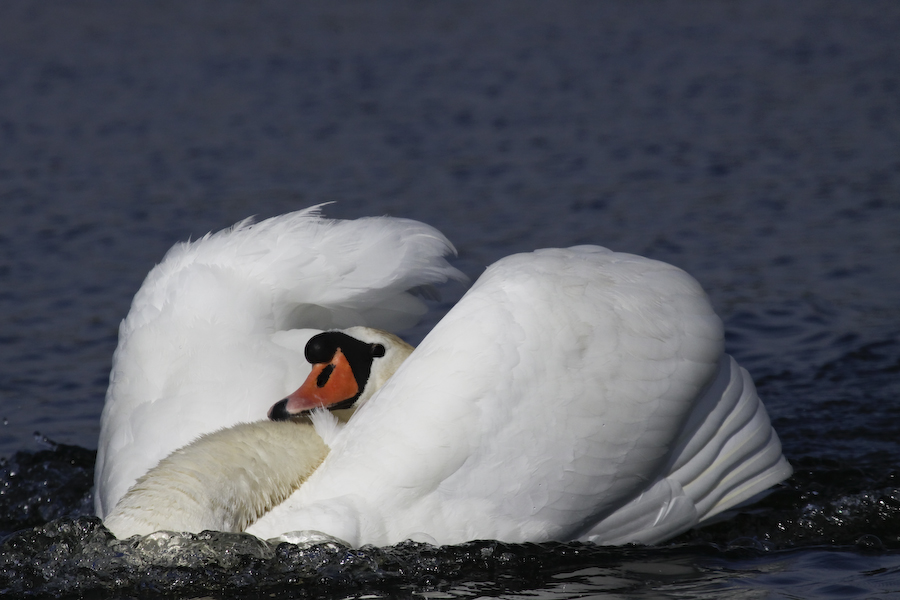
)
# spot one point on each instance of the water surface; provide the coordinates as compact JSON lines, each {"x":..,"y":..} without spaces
{"x":755,"y":145}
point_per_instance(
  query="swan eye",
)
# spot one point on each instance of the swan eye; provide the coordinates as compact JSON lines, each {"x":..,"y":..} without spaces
{"x":377,"y":350}
{"x":322,"y":379}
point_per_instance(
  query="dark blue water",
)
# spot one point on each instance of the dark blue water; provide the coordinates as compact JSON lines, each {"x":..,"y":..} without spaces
{"x":754,"y":144}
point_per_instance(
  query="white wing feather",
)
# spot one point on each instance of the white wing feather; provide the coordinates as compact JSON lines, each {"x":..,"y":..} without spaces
{"x":216,"y":333}
{"x":554,"y":394}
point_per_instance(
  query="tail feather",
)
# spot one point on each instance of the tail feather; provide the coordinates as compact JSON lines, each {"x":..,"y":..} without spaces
{"x":659,"y":513}
{"x":766,"y":468}
{"x":727,"y":454}
{"x":742,"y":458}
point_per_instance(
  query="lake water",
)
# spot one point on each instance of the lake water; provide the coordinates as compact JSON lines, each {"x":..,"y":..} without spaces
{"x":755,"y":145}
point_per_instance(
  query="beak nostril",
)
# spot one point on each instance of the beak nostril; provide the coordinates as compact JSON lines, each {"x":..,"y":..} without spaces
{"x":329,"y":384}
{"x":323,"y":377}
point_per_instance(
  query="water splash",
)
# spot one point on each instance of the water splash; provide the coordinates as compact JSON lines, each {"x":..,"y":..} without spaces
{"x":825,"y":504}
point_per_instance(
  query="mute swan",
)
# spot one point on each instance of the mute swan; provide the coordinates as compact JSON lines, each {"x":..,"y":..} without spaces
{"x":225,"y":480}
{"x":575,"y":394}
{"x":218,"y":328}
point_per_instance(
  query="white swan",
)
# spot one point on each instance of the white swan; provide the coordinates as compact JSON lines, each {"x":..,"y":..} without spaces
{"x":575,"y":394}
{"x":571,"y":394}
{"x":217,"y":331}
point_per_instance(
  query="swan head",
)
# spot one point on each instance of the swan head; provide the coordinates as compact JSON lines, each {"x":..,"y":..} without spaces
{"x":348,"y":367}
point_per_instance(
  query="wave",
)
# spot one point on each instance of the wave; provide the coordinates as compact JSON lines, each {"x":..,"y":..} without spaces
{"x":53,"y":548}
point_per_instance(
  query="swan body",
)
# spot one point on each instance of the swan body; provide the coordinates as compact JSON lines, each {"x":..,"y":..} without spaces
{"x":572,"y":394}
{"x":217,"y":331}
{"x":575,"y":394}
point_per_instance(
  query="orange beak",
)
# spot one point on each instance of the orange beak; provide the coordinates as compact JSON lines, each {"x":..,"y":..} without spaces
{"x":327,"y":384}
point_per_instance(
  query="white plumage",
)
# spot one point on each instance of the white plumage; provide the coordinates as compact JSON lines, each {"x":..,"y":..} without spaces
{"x":571,"y":394}
{"x":216,"y":333}
{"x":222,"y":481}
{"x":226,"y":480}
